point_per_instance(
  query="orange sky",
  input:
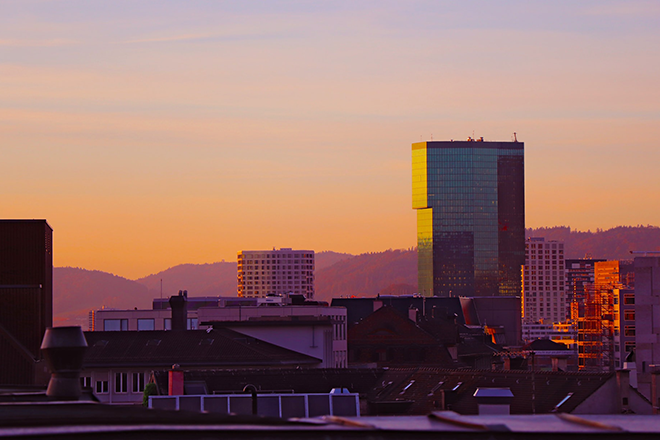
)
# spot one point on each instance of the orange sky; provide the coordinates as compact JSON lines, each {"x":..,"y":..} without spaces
{"x":153,"y":135}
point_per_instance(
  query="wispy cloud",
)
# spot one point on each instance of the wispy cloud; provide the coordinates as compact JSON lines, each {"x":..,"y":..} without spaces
{"x":55,"y":42}
{"x":630,"y":8}
{"x":207,"y":37}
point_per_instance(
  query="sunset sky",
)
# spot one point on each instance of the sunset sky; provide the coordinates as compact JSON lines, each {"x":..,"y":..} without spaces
{"x":154,"y":133}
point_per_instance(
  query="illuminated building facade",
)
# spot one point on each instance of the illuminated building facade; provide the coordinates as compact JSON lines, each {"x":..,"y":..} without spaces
{"x":470,"y":202}
{"x":544,"y":291}
{"x":593,"y":311}
{"x":276,"y":272}
{"x":579,"y":272}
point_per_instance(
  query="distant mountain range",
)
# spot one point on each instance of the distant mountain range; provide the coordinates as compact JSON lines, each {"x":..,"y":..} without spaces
{"x":77,"y":291}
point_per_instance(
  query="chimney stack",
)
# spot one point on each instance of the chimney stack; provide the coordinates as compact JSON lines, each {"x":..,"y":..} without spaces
{"x":179,"y":306}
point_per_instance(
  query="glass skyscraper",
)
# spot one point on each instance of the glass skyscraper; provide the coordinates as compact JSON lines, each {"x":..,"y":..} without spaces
{"x":470,"y":202}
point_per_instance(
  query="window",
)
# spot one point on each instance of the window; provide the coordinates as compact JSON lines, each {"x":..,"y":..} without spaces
{"x":145,"y":324}
{"x":193,"y":324}
{"x":629,"y":299}
{"x":629,"y":330}
{"x":85,"y":381}
{"x":629,"y":346}
{"x":101,"y":387}
{"x":115,"y":325}
{"x":167,"y":323}
{"x":138,"y":382}
{"x":121,"y":382}
{"x":629,"y":315}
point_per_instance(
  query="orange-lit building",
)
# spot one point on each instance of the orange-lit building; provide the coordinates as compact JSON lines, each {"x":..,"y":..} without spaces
{"x":594,"y":310}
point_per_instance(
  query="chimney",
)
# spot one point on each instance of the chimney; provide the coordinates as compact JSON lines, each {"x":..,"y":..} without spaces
{"x":494,"y":401}
{"x":64,"y":349}
{"x":179,"y":307}
{"x":175,"y":382}
{"x":623,"y":388}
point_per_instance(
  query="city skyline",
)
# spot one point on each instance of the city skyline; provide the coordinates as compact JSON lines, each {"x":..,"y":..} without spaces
{"x":140,"y":130}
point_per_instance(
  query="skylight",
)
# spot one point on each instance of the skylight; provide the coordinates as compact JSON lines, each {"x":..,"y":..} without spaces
{"x":407,"y":386}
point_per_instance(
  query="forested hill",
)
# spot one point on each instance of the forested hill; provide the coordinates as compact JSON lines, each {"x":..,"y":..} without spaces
{"x":611,"y":244}
{"x":389,"y":272}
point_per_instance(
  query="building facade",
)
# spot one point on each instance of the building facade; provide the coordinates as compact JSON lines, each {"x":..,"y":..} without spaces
{"x":544,"y":290}
{"x":268,"y":311}
{"x":470,"y":202}
{"x":26,"y":292}
{"x":593,"y":311}
{"x":647,"y":314}
{"x":579,"y":272}
{"x":276,"y":272}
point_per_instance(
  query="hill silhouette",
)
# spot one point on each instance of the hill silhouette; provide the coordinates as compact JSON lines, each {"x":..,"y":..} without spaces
{"x":328,"y":258}
{"x":77,"y":291}
{"x":213,"y":279}
{"x":393,"y":272}
{"x":611,"y":244}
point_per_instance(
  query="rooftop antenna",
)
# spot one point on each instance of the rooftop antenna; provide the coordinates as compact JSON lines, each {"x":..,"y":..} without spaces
{"x":515,"y":138}
{"x":161,"y":288}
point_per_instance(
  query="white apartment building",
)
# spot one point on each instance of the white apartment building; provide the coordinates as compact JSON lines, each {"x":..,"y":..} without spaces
{"x":544,"y":285}
{"x":279,"y":272}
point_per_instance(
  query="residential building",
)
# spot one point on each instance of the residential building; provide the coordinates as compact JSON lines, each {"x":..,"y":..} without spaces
{"x":470,"y":202}
{"x":544,"y":290}
{"x":500,"y":314}
{"x":117,"y":365}
{"x":647,"y":322}
{"x":267,"y":316}
{"x":276,"y":272}
{"x":26,"y":293}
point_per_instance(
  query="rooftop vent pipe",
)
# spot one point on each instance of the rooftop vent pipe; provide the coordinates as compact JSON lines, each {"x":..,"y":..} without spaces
{"x":64,"y":349}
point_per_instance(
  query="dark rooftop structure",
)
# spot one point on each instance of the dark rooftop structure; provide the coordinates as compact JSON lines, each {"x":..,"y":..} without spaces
{"x":26,"y":293}
{"x":220,"y":348}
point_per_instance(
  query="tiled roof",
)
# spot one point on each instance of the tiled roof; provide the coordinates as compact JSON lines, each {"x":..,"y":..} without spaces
{"x":428,"y":384}
{"x":190,"y":348}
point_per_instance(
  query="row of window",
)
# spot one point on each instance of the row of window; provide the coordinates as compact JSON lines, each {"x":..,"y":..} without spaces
{"x":143,"y":324}
{"x":120,"y":382}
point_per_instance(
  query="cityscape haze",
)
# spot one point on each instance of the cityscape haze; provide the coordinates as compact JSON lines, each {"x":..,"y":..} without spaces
{"x":153,"y":135}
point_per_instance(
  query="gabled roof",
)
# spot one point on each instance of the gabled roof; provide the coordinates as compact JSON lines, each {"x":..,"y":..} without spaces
{"x":391,"y":326}
{"x":423,"y":388}
{"x":221,"y":348}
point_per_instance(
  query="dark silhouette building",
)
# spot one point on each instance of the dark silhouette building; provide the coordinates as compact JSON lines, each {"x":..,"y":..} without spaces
{"x":26,"y":295}
{"x":470,"y":202}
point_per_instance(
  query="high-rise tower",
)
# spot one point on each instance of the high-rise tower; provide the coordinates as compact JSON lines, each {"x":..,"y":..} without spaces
{"x":470,"y":201}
